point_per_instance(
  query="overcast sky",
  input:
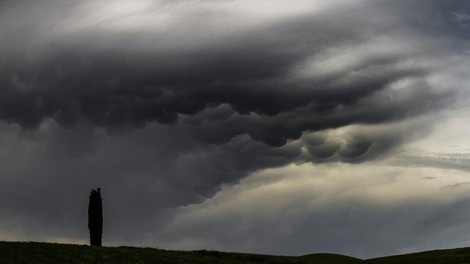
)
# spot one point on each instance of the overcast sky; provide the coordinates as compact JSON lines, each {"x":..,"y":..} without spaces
{"x":278,"y":127}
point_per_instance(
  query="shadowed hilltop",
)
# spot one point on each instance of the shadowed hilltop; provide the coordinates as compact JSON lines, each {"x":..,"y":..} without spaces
{"x":39,"y":253}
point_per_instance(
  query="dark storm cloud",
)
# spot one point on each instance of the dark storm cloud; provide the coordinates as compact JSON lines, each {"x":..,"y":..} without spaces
{"x":130,"y":83}
{"x":143,"y":173}
{"x":161,"y":115}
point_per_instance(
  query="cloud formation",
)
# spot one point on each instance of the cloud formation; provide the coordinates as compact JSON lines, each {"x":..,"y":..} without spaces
{"x":163,"y":103}
{"x":280,"y":80}
{"x":344,"y":208}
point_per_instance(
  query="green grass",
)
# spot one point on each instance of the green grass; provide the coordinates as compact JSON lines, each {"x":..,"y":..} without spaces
{"x":41,"y":253}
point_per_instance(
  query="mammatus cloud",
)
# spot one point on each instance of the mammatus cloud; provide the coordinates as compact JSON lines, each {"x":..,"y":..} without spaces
{"x":162,"y":103}
{"x":121,"y":79}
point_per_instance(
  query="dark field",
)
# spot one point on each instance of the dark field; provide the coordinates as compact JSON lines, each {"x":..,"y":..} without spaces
{"x":32,"y":252}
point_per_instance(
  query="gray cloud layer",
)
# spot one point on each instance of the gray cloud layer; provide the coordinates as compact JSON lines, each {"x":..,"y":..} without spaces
{"x":123,"y":80}
{"x":162,"y":105}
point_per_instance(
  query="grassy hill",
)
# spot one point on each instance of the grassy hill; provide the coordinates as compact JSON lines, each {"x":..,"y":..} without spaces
{"x":39,"y":253}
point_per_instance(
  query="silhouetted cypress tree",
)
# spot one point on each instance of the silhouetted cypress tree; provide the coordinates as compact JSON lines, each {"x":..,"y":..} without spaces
{"x":95,"y":217}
